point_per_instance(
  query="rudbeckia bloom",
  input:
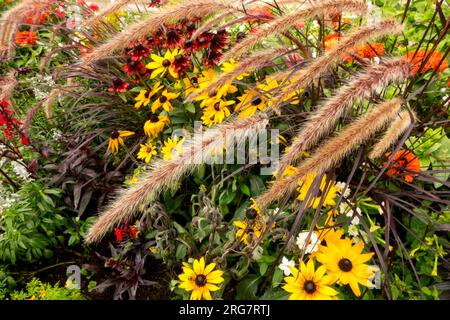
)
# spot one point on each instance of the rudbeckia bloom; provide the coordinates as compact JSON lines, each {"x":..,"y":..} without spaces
{"x":143,"y":99}
{"x":405,"y":163}
{"x":308,"y":283}
{"x":305,"y":185}
{"x":230,"y":66}
{"x":200,"y":279}
{"x":250,"y":102}
{"x":161,"y":65}
{"x":346,"y":262}
{"x":172,"y":148}
{"x":164,"y":101}
{"x":146,"y":152}
{"x":248,"y":232}
{"x":216,"y":112}
{"x":155,"y":125}
{"x":116,"y":138}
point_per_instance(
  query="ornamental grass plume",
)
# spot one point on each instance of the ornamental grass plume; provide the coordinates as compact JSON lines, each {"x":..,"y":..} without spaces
{"x":139,"y":30}
{"x":164,"y":174}
{"x":7,"y":85}
{"x":332,"y":151}
{"x":322,"y":120}
{"x":283,"y":23}
{"x":404,"y":120}
{"x":304,"y":77}
{"x":108,"y":10}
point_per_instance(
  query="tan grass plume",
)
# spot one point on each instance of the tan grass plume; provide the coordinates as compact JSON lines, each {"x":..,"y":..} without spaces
{"x":283,"y":23}
{"x":335,"y":149}
{"x":164,"y":174}
{"x":396,"y":128}
{"x":150,"y":24}
{"x":7,"y":85}
{"x":321,"y":121}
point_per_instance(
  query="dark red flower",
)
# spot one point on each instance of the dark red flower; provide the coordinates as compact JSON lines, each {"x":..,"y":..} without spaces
{"x":181,"y":64}
{"x":219,"y":40}
{"x":154,"y":3}
{"x":137,"y":51}
{"x":173,"y":37}
{"x":135,"y":68}
{"x":190,"y":46}
{"x":119,"y":233}
{"x":94,"y":7}
{"x":119,"y":85}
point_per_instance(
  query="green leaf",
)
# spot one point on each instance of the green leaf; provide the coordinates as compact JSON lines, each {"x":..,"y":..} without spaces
{"x":245,"y":190}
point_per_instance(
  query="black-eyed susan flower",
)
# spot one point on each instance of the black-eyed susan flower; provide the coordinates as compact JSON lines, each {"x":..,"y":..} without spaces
{"x":116,"y":139}
{"x":155,"y":125}
{"x":248,"y":232}
{"x":250,"y":102}
{"x":346,"y":262}
{"x":328,"y":198}
{"x":146,"y":152}
{"x":309,"y":284}
{"x":216,"y":112}
{"x":231,"y":65}
{"x":188,"y":85}
{"x":143,"y":99}
{"x":209,"y":97}
{"x":200,"y":279}
{"x":330,"y":235}
{"x":161,"y":65}
{"x":172,"y":148}
{"x":164,"y":101}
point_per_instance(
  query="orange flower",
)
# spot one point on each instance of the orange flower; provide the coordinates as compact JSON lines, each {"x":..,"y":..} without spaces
{"x":24,"y":38}
{"x":432,"y":63}
{"x":371,"y":50}
{"x":405,"y":163}
{"x":260,"y":14}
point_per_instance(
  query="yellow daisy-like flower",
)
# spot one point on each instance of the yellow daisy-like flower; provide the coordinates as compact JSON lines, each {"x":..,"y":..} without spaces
{"x":250,"y":102}
{"x":329,"y":235}
{"x":155,"y":125}
{"x":200,"y":279}
{"x":216,"y":112}
{"x":143,"y":99}
{"x":268,"y":89}
{"x":230,"y":66}
{"x":305,"y":185}
{"x":146,"y":152}
{"x":346,"y":262}
{"x":172,"y":148}
{"x":164,"y":101}
{"x":188,"y":85}
{"x":208,"y":98}
{"x":248,"y":232}
{"x":161,"y":65}
{"x":308,"y":283}
{"x":116,"y":139}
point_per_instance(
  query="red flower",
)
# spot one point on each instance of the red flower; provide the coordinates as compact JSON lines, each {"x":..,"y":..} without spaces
{"x":259,"y":14}
{"x":173,"y":37}
{"x":137,"y":52}
{"x":154,"y":3}
{"x":24,"y":38}
{"x":119,"y":85}
{"x":10,"y":124}
{"x":94,"y":7}
{"x":181,"y":63}
{"x":135,"y":68}
{"x":405,"y":163}
{"x":119,"y":233}
{"x":432,"y":63}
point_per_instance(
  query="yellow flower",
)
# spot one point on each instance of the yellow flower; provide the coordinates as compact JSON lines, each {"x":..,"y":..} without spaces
{"x":200,"y":279}
{"x":346,"y":262}
{"x":230,"y":66}
{"x":308,"y":283}
{"x":172,"y":148}
{"x":304,"y":191}
{"x":248,"y":232}
{"x":250,"y":102}
{"x":143,"y":99}
{"x":207,"y":98}
{"x":116,"y":138}
{"x":146,"y":152}
{"x":216,"y":112}
{"x":329,"y":235}
{"x":188,"y":85}
{"x":155,"y":125}
{"x":160,"y":65}
{"x":268,"y":90}
{"x":164,"y":101}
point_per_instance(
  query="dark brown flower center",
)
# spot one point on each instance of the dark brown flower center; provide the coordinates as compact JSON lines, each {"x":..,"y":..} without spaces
{"x":256,"y":102}
{"x":194,"y":82}
{"x":166,"y":63}
{"x":115,"y":134}
{"x":179,"y":58}
{"x":345,"y":265}
{"x":217,"y":106}
{"x":154,"y":118}
{"x":251,"y":214}
{"x":309,"y":287}
{"x":200,"y":280}
{"x":212,"y":93}
{"x":162,"y":99}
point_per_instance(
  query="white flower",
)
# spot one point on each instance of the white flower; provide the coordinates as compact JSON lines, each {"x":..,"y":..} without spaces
{"x":20,"y":171}
{"x":356,"y":234}
{"x":344,"y":208}
{"x":285,"y":264}
{"x":313,"y":244}
{"x":374,"y":281}
{"x":340,"y":186}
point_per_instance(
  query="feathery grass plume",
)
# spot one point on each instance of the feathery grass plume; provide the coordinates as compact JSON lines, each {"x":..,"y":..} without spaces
{"x":255,"y":61}
{"x":164,"y":174}
{"x":108,"y":10}
{"x":332,"y":151}
{"x":7,"y":85}
{"x":304,"y":77}
{"x":9,"y":25}
{"x":404,"y":120}
{"x":139,"y":30}
{"x":322,"y":120}
{"x":283,"y":23}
